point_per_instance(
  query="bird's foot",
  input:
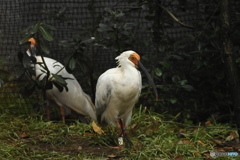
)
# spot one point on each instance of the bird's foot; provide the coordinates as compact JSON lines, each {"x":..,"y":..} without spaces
{"x":119,"y":147}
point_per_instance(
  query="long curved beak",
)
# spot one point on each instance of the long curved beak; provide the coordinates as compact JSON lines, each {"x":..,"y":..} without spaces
{"x":149,"y":78}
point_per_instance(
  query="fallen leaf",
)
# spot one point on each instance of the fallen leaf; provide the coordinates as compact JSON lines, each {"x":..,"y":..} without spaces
{"x":80,"y":148}
{"x":231,"y":136}
{"x":220,"y":149}
{"x":113,"y":156}
{"x":24,"y":135}
{"x":197,"y":154}
{"x":88,"y":134}
{"x":181,"y":130}
{"x":97,"y":129}
{"x":228,"y":148}
{"x":200,"y":142}
{"x":234,"y":134}
{"x":218,"y":141}
{"x":184,"y":141}
{"x":207,"y":155}
{"x":118,"y":147}
{"x":133,"y":126}
{"x":179,"y":157}
{"x":182,"y":135}
{"x":208,"y":123}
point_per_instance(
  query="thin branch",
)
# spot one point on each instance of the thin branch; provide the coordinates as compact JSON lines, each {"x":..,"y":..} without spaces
{"x":175,"y":18}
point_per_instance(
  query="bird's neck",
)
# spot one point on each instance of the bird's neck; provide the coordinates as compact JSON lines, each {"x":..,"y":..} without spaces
{"x":129,"y":72}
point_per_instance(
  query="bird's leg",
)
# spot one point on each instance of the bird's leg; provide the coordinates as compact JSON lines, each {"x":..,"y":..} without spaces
{"x":46,"y":104}
{"x":120,"y":133}
{"x":123,"y":134}
{"x":48,"y":113}
{"x":62,"y":113}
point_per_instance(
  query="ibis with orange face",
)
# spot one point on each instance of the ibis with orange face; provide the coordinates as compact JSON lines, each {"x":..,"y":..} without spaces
{"x":72,"y":99}
{"x":118,"y":90}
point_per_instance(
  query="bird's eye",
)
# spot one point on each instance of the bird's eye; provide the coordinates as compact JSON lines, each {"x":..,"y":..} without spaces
{"x":131,"y":58}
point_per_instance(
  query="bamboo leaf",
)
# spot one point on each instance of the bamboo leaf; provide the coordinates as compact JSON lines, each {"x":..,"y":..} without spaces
{"x":46,"y":35}
{"x":237,"y":60}
{"x":25,"y":39}
{"x":49,"y":85}
{"x":43,"y":46}
{"x":165,"y":64}
{"x":72,"y":64}
{"x":158,"y":72}
{"x":173,"y":100}
{"x":59,"y":79}
{"x":37,"y":78}
{"x":25,"y":30}
{"x":188,"y":87}
{"x":34,"y":29}
{"x":49,"y":26}
{"x":59,"y":87}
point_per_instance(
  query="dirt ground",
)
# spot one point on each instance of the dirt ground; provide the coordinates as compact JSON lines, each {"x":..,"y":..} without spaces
{"x":77,"y":146}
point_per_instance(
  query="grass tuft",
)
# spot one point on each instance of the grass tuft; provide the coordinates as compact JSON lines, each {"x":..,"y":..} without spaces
{"x":155,"y":136}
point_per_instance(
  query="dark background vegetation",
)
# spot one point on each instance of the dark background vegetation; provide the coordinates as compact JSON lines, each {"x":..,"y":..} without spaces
{"x":181,"y":42}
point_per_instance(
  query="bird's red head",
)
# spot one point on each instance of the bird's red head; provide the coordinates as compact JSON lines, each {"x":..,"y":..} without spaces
{"x":32,"y":41}
{"x":134,"y":58}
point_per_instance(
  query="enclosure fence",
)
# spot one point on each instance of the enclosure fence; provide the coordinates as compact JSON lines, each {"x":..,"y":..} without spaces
{"x":71,"y":17}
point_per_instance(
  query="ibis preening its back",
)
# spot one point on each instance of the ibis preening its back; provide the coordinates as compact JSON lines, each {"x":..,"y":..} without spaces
{"x":72,"y":98}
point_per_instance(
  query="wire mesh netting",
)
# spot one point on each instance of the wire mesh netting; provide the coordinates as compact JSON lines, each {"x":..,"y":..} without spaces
{"x":71,"y":17}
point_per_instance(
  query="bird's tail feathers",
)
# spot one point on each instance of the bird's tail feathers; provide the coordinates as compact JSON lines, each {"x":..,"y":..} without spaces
{"x":93,"y":108}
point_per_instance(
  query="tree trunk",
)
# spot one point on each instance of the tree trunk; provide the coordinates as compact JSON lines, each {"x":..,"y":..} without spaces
{"x":229,"y":60}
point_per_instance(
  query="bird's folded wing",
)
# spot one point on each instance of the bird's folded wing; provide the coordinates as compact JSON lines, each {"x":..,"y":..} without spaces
{"x":103,"y":93}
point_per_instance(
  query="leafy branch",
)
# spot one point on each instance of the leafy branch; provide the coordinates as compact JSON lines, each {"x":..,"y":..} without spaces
{"x":41,"y":32}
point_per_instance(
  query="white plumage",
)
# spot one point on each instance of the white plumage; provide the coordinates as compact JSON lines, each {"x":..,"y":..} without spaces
{"x":74,"y":99}
{"x":118,"y":90}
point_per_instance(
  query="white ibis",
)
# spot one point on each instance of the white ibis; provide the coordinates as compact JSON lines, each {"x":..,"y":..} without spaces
{"x":117,"y":91}
{"x":72,"y":99}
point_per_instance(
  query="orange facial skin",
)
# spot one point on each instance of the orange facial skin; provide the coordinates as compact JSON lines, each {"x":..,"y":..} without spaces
{"x":134,"y":58}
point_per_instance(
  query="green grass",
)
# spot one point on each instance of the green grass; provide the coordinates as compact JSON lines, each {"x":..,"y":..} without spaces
{"x":154,"y":137}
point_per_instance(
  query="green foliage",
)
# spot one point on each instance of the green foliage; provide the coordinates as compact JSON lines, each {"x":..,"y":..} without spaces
{"x":79,"y":60}
{"x":114,"y":32}
{"x":185,"y":70}
{"x":42,"y":34}
{"x":77,"y":56}
{"x":189,"y":72}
